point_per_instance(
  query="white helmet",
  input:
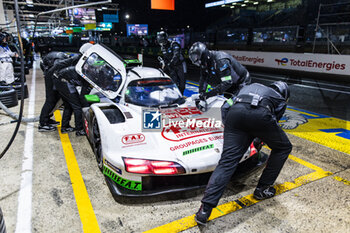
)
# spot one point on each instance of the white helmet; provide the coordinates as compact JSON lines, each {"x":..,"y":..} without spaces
{"x":85,"y":47}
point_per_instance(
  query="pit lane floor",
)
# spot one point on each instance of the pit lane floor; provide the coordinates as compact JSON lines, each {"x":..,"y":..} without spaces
{"x":67,"y":192}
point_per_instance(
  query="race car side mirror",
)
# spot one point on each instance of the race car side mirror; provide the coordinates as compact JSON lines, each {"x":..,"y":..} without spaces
{"x":92,"y":98}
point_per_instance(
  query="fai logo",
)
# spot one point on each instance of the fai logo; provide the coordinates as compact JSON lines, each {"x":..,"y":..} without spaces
{"x":282,"y":62}
{"x":133,"y":138}
{"x":151,"y":119}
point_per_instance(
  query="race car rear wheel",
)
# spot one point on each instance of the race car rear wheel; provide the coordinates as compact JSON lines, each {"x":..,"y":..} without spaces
{"x":97,"y":145}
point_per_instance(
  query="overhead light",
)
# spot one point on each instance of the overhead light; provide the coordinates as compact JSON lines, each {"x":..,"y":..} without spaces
{"x":269,"y":0}
{"x":99,"y":9}
{"x":223,"y":5}
{"x":127,"y":16}
{"x":188,"y":26}
{"x":246,"y":1}
{"x":243,"y":5}
{"x":30,"y":5}
{"x":232,"y":7}
{"x":104,"y":8}
{"x":29,"y":1}
{"x":256,"y":3}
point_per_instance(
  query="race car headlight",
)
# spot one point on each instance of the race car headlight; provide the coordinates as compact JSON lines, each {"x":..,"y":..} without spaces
{"x":143,"y":166}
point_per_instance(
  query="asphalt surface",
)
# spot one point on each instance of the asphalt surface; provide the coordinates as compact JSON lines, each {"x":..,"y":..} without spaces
{"x":314,"y":183}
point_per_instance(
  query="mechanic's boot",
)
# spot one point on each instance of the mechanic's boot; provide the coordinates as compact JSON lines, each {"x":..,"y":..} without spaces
{"x":46,"y":128}
{"x":53,"y":122}
{"x":67,"y":129}
{"x":203,"y":214}
{"x":264,"y":192}
{"x":80,"y":132}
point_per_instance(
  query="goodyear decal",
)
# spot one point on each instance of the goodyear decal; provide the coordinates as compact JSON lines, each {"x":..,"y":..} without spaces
{"x":197,"y":149}
{"x":128,"y":184}
{"x":328,"y":131}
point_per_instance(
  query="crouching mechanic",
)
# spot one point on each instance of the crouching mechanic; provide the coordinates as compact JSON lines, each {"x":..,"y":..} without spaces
{"x":217,"y":67}
{"x":173,"y":60}
{"x":52,"y":95}
{"x":6,"y":68}
{"x":255,"y":113}
{"x":65,"y":80}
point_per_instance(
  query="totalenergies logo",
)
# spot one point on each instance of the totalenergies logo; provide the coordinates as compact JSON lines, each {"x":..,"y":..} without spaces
{"x":282,"y":62}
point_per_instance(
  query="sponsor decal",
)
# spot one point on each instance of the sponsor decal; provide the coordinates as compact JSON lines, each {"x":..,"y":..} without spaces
{"x":253,"y":60}
{"x":196,"y":142}
{"x":191,"y":129}
{"x":117,"y":170}
{"x":292,"y":120}
{"x":311,"y":64}
{"x":187,"y":144}
{"x":180,"y":112}
{"x":282,"y":61}
{"x":86,"y":124}
{"x":152,"y":119}
{"x":128,"y":184}
{"x":198,"y":149}
{"x":133,"y":138}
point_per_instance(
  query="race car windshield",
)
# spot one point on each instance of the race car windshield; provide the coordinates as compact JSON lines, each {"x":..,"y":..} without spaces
{"x":153,"y":93}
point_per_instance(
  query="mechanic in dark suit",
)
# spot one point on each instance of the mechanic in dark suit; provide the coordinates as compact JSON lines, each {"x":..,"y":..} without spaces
{"x":65,"y":79}
{"x":254,"y":113}
{"x":52,"y":95}
{"x":217,"y":67}
{"x":173,"y":60}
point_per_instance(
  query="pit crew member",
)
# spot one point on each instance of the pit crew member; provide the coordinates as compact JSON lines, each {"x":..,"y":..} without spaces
{"x":52,"y":95}
{"x":173,"y":60}
{"x":6,"y":67}
{"x":255,"y":113}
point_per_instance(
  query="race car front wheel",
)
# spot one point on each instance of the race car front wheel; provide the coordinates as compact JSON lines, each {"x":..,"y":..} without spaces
{"x":97,"y":144}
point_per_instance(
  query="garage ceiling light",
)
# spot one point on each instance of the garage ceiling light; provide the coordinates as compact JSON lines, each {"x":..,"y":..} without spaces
{"x":256,"y":3}
{"x":29,"y":1}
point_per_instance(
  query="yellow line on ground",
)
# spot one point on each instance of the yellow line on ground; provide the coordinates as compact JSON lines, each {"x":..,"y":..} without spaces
{"x":195,"y":84}
{"x":86,"y":212}
{"x":304,"y":163}
{"x":221,"y":210}
{"x":305,"y":113}
{"x":342,"y":180}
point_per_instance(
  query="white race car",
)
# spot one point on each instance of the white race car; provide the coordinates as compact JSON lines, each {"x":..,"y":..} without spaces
{"x":147,"y":138}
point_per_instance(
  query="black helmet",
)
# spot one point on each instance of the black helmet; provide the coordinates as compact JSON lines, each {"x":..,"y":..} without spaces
{"x":199,"y":54}
{"x":162,"y":38}
{"x":282,"y":88}
{"x":2,"y":36}
{"x":8,"y":37}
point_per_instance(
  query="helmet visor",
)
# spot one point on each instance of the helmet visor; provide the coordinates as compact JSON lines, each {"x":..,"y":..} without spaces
{"x":195,"y":59}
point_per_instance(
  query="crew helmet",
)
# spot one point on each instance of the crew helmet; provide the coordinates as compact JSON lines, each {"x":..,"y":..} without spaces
{"x":162,"y":38}
{"x":85,"y":47}
{"x":199,"y":54}
{"x":2,"y":36}
{"x":282,"y":88}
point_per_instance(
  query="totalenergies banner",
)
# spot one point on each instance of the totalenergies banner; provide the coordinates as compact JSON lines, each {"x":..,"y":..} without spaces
{"x":308,"y":62}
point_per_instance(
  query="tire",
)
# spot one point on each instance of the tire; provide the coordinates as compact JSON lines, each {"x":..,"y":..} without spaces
{"x":17,"y":88}
{"x":2,"y":223}
{"x":8,"y":96}
{"x":97,"y":145}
